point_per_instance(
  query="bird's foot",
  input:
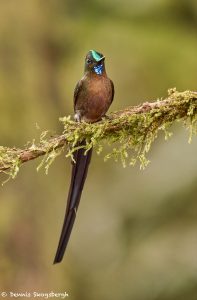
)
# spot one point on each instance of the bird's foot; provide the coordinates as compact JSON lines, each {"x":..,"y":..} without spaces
{"x":105,"y":117}
{"x":77,"y":117}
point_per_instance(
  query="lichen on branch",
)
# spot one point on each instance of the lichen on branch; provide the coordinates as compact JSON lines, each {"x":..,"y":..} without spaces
{"x":131,"y":133}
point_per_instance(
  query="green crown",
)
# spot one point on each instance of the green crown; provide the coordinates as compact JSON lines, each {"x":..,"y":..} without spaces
{"x":96,"y":55}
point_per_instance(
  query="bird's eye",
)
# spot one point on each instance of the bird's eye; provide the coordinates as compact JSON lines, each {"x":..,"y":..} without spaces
{"x":89,"y":61}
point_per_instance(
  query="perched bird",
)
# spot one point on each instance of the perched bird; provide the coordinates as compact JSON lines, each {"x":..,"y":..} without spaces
{"x":93,"y":96}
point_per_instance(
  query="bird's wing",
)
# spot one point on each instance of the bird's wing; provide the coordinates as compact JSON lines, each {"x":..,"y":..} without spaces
{"x":77,"y":90}
{"x":113,"y":91}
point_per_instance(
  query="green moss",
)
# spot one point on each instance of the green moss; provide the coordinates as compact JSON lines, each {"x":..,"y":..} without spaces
{"x":134,"y":133}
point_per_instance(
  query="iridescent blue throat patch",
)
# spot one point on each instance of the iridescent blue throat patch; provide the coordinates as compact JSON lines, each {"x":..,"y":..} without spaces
{"x":98,"y":69}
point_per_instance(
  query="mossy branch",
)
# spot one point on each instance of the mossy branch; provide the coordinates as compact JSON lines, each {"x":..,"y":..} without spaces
{"x":131,"y":131}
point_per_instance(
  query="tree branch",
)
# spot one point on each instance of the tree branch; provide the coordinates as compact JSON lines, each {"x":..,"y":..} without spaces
{"x":133,"y":129}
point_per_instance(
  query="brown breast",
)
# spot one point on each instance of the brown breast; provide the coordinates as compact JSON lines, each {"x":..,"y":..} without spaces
{"x":94,"y":98}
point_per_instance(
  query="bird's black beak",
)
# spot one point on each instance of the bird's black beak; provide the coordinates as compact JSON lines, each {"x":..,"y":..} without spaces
{"x":101,"y":59}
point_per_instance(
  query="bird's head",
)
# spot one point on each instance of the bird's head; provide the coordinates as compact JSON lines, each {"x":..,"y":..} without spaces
{"x":94,"y":62}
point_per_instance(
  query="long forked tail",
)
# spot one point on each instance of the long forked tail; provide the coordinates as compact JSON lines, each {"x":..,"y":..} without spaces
{"x":79,"y":173}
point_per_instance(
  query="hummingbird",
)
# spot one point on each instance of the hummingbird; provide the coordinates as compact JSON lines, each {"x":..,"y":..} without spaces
{"x":93,"y":96}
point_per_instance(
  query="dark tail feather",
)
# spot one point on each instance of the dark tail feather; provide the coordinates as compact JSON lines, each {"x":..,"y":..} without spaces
{"x":79,"y":173}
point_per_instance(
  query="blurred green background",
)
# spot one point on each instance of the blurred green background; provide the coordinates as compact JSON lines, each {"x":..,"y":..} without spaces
{"x":135,"y":236}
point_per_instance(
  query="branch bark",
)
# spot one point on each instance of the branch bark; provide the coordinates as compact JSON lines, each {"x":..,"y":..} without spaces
{"x":139,"y":120}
